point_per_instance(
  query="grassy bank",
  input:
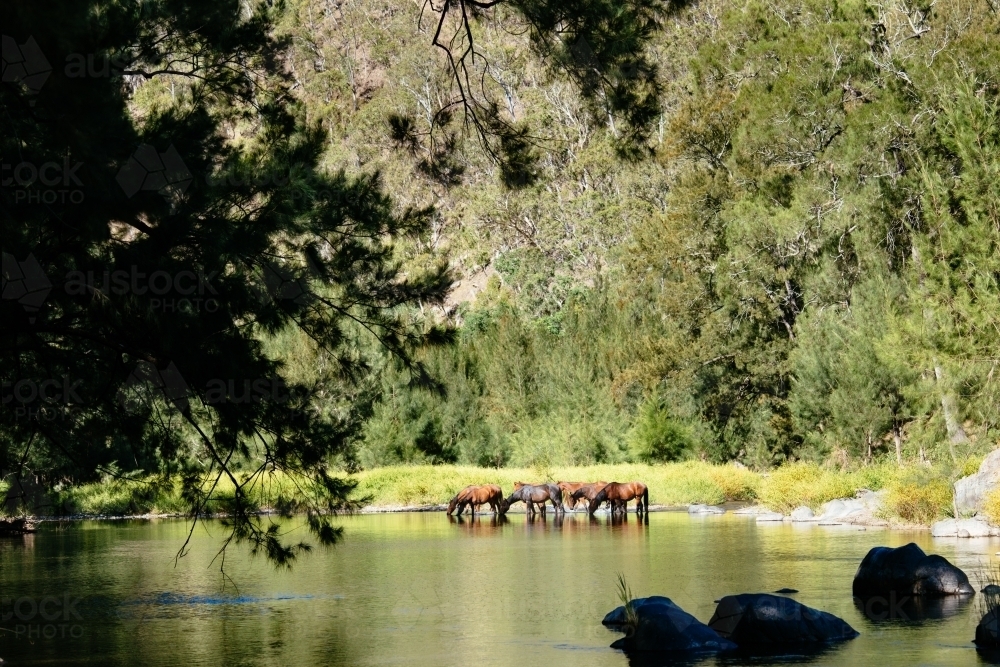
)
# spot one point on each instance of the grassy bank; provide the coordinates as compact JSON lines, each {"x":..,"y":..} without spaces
{"x":914,"y":495}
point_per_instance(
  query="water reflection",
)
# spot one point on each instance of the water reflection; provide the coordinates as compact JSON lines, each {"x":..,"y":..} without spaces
{"x":988,"y":656}
{"x":803,"y":655}
{"x":910,"y":609}
{"x":556,"y":521}
{"x":479,"y":521}
{"x":398,"y":590}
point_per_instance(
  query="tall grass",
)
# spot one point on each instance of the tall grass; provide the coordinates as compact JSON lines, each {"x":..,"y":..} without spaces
{"x":911,"y":497}
{"x":625,"y":595}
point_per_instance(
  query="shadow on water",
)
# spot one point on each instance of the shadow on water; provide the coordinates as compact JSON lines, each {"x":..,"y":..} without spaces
{"x":910,"y":609}
{"x":785,"y":656}
{"x":988,"y":656}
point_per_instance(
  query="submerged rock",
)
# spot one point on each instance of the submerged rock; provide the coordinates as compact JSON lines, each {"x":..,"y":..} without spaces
{"x":770,"y":516}
{"x":768,"y":621}
{"x":908,"y":570}
{"x":894,"y":607}
{"x":662,"y":626}
{"x":963,"y":528}
{"x":986,"y":632}
{"x":705,"y":509}
{"x":990,"y":589}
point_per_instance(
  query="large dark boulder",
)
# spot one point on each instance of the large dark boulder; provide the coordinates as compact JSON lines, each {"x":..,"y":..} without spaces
{"x":907,"y":570}
{"x":616,"y":617}
{"x":662,"y":626}
{"x":761,"y":620}
{"x":986,"y":632}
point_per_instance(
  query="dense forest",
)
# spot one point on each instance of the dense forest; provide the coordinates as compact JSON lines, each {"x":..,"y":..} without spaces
{"x":520,"y":233}
{"x":804,"y":263}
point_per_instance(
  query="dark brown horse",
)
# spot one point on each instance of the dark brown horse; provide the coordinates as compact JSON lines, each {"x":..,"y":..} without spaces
{"x":532,"y":494}
{"x":619,"y":494}
{"x":569,"y":488}
{"x":476,"y":496}
{"x":587,"y":492}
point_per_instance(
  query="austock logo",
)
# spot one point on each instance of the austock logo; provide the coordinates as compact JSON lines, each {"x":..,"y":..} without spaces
{"x":151,"y":170}
{"x":41,"y":400}
{"x":177,"y":292}
{"x":171,"y":385}
{"x":25,"y":282}
{"x":47,"y":617}
{"x":24,"y":64}
{"x":282,"y":284}
{"x":59,"y":181}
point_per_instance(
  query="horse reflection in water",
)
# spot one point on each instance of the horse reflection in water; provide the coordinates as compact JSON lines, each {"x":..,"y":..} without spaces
{"x":479,"y":524}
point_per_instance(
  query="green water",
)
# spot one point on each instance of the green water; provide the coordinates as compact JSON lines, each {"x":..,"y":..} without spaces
{"x":419,"y":589}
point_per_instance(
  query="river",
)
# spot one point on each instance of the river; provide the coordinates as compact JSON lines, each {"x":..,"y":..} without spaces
{"x":422,"y":590}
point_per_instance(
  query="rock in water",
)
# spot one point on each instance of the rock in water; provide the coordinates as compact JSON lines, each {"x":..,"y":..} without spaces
{"x":802,"y":514}
{"x":662,"y":626}
{"x":986,"y":631}
{"x":908,"y":570}
{"x":705,"y":509}
{"x":762,"y":620}
{"x":963,"y":528}
{"x":616,"y":617}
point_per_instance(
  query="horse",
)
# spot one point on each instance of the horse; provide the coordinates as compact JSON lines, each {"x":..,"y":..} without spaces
{"x":530,"y":494}
{"x":619,"y":495}
{"x":569,"y":488}
{"x":476,"y":496}
{"x":587,"y":492}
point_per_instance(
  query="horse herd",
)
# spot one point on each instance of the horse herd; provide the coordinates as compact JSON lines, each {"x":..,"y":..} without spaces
{"x":616,"y":494}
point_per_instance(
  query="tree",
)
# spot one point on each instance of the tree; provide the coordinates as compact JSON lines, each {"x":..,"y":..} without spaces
{"x":165,"y":212}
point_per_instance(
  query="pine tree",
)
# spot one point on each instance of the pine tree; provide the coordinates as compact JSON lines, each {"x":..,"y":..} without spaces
{"x":165,"y":212}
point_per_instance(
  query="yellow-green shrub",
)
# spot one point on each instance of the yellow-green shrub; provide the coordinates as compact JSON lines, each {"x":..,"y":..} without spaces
{"x":991,"y":506}
{"x":796,"y":484}
{"x":919,"y":501}
{"x":736,"y":483}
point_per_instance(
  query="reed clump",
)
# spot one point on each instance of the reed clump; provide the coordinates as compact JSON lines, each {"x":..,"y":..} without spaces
{"x":625,"y":596}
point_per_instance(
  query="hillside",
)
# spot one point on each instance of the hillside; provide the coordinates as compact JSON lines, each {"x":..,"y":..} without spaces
{"x":804,"y":266}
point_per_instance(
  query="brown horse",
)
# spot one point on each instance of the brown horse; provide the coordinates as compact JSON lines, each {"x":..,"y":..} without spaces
{"x":587,"y":492}
{"x":530,"y":494}
{"x":568,"y":489}
{"x":476,"y":496}
{"x":619,"y":494}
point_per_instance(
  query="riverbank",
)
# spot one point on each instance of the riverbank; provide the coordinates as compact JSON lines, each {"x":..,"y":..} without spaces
{"x":912,"y":495}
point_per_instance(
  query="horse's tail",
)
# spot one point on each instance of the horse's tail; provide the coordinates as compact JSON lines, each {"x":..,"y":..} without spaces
{"x":557,"y":498}
{"x":645,"y":498}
